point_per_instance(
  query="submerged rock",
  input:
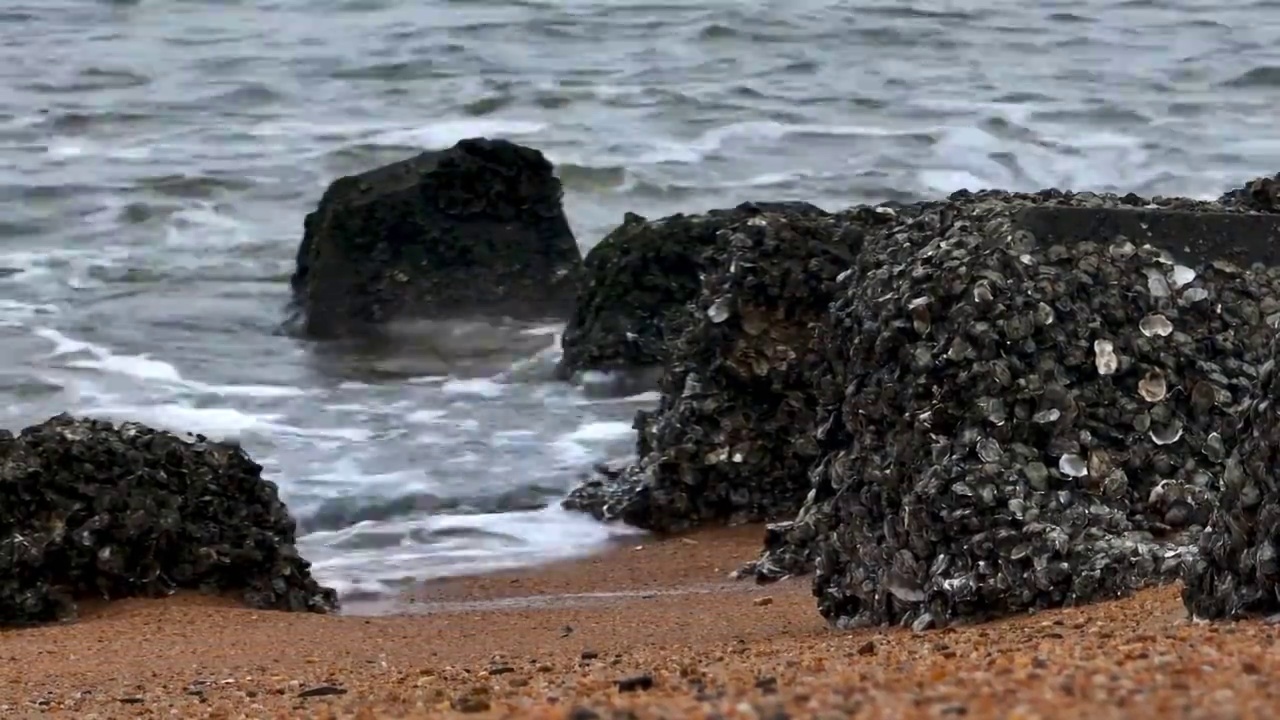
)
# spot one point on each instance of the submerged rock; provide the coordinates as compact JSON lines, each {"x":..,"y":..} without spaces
{"x":1010,"y":423}
{"x":1237,"y":573}
{"x":732,"y":438}
{"x":639,"y":281}
{"x":93,"y":510}
{"x":476,"y":230}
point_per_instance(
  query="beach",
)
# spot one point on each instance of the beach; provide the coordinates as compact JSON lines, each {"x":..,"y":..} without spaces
{"x":653,"y":629}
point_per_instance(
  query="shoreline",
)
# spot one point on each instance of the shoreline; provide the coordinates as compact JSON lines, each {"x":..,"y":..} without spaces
{"x":664,"y":621}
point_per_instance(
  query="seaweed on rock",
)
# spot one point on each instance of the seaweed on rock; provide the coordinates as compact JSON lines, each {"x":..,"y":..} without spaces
{"x":732,"y":438}
{"x":90,"y":509}
{"x":1013,"y":424}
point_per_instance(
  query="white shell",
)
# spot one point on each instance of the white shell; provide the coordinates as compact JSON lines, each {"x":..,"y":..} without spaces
{"x":1156,"y":284}
{"x":1047,"y":416}
{"x":1152,"y":387}
{"x":1105,"y":357}
{"x":1168,"y":434}
{"x":719,"y":311}
{"x":1073,"y":465}
{"x":1155,"y":325}
{"x":1180,"y":276}
{"x":1194,"y":295}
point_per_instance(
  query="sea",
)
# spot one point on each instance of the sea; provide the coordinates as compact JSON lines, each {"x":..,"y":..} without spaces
{"x":157,"y":158}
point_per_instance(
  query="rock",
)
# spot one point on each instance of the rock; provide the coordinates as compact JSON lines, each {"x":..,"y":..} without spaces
{"x":1009,"y":422}
{"x":639,"y":280}
{"x":1237,"y":572}
{"x":93,"y":510}
{"x":1259,"y":195}
{"x":634,"y":683}
{"x":322,"y":691}
{"x":476,"y":230}
{"x":731,"y":440}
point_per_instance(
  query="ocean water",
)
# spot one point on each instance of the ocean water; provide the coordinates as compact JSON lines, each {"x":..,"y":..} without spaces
{"x":157,"y":158}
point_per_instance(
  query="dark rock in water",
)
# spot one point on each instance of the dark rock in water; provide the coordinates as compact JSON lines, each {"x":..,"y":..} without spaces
{"x":1237,"y":573}
{"x":639,"y":280}
{"x":731,"y":440}
{"x":1259,"y":195}
{"x":92,"y":510}
{"x":1009,"y":423}
{"x":476,"y":230}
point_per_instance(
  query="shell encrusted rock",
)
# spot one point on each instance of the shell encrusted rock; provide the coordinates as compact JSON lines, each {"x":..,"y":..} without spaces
{"x":732,"y":439}
{"x":1018,"y":424}
{"x":1237,"y":571}
{"x":639,"y":281}
{"x":89,"y":509}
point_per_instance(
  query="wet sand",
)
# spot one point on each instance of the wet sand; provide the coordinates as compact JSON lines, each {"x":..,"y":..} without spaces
{"x":656,"y":632}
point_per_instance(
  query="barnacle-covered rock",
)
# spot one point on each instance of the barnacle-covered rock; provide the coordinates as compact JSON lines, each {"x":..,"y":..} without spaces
{"x":638,"y":282}
{"x":1237,"y":572}
{"x":93,"y":510}
{"x":1019,"y":423}
{"x":732,"y":438}
{"x":1258,"y":195}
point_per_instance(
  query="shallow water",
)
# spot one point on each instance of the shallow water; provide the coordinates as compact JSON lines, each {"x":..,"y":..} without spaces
{"x":158,"y":158}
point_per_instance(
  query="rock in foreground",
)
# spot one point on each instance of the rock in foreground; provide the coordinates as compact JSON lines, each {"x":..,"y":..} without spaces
{"x":93,"y":510}
{"x":638,"y":282}
{"x":1019,"y":424}
{"x":476,"y":230}
{"x":732,"y":438}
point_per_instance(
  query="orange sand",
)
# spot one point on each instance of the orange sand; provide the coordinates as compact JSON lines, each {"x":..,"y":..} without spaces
{"x":512,"y":645}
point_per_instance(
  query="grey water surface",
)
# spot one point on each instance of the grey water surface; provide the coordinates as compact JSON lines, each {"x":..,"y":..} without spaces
{"x":157,"y":158}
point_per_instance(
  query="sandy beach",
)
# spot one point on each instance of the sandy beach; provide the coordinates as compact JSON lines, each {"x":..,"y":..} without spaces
{"x":649,"y":630}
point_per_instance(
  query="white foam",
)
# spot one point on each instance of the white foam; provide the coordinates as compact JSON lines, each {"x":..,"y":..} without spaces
{"x":649,"y":397}
{"x":148,"y":369}
{"x":1051,"y":156}
{"x":425,"y":417}
{"x":552,"y":330}
{"x":571,"y":453}
{"x":62,"y":345}
{"x":357,"y":435}
{"x":140,"y":367}
{"x":253,"y":391}
{"x":476,"y":387}
{"x":216,"y":423}
{"x":511,"y":540}
{"x":201,"y":226}
{"x":445,"y":133}
{"x":601,"y":431}
{"x":70,"y":149}
{"x":17,"y":314}
{"x":428,"y":380}
{"x":63,"y":149}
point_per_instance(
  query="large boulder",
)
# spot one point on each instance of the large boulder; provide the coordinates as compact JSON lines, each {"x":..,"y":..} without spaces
{"x":476,"y":230}
{"x":732,"y":438}
{"x":89,"y":509}
{"x":1019,"y":420}
{"x":638,"y":282}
